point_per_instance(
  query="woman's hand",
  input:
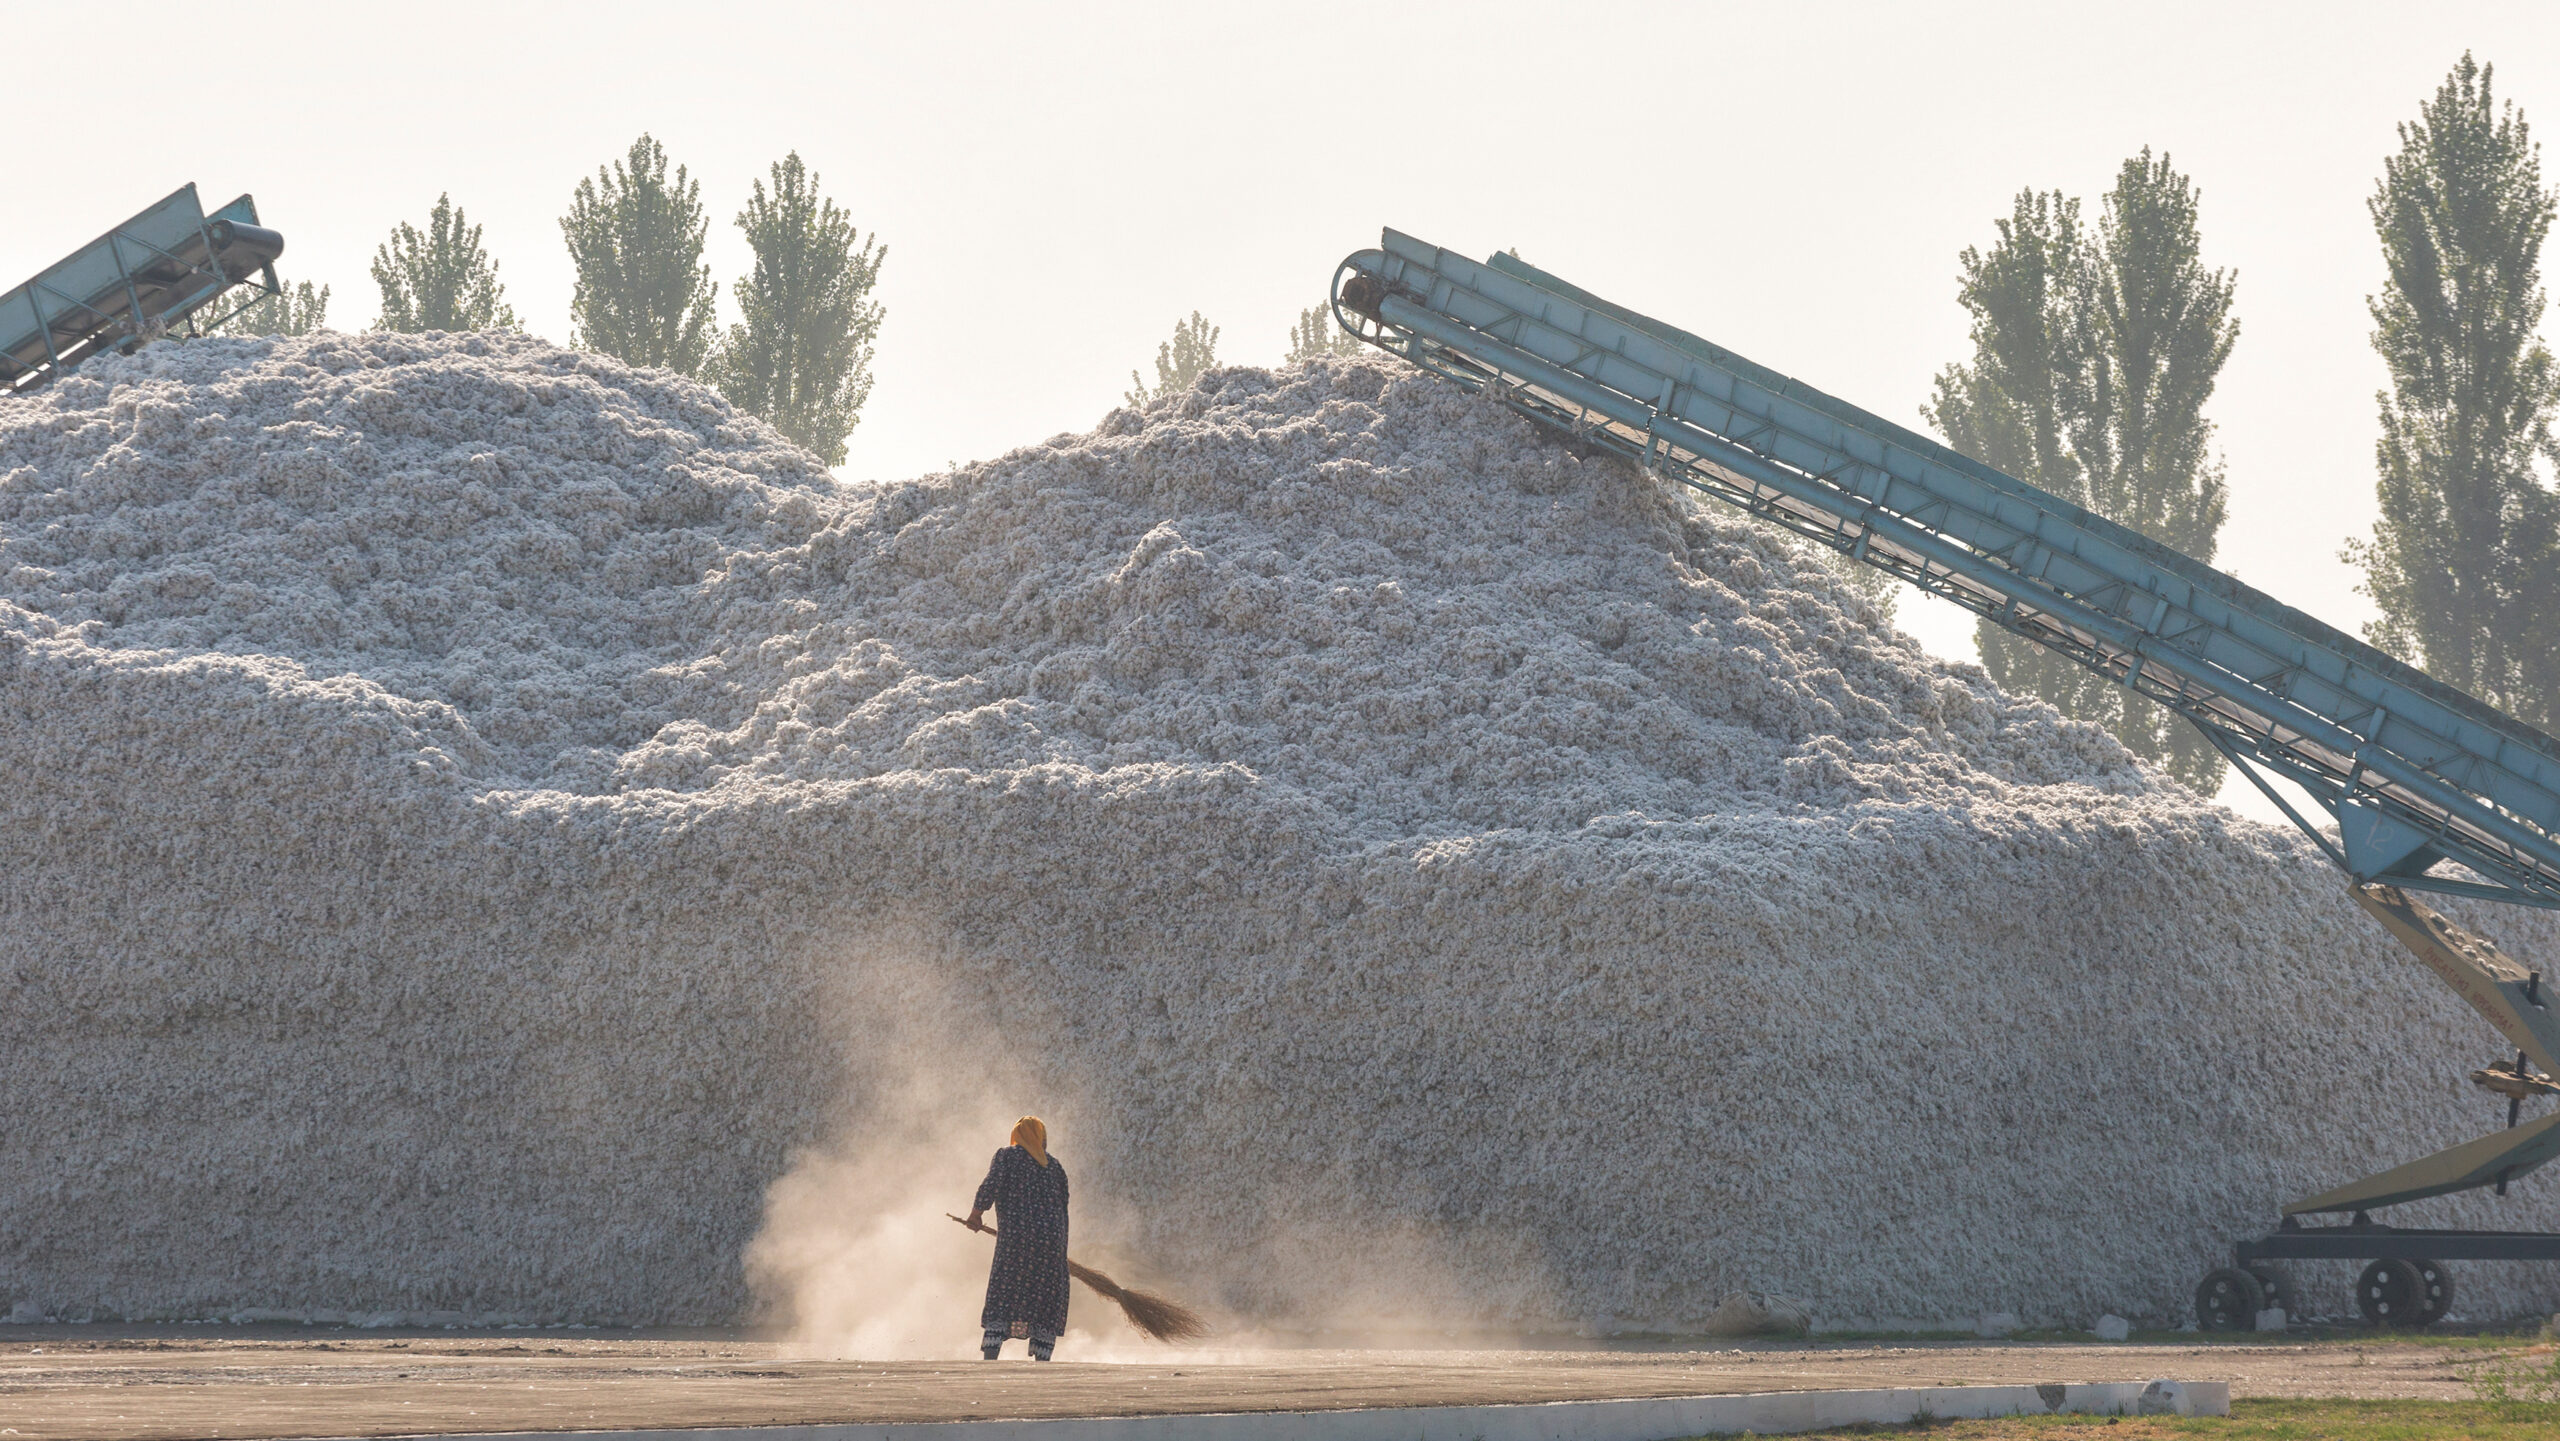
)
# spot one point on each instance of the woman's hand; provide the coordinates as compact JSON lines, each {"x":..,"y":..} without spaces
{"x":977,"y":1221}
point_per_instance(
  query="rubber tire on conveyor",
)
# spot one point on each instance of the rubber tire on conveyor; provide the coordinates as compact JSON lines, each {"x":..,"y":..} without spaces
{"x":2392,"y":1294}
{"x":2229,"y":1299}
{"x":2274,"y":1289}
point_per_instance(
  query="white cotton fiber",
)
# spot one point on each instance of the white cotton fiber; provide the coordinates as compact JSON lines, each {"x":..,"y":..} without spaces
{"x":476,"y":816}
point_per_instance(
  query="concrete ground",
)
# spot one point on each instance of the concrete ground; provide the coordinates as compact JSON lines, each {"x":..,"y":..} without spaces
{"x":76,"y":1383}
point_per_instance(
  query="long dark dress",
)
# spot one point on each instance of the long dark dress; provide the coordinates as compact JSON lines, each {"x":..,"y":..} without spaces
{"x":1028,"y":1282}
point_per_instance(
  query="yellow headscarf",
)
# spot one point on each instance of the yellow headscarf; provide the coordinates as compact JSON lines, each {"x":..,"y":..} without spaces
{"x":1031,"y":1136}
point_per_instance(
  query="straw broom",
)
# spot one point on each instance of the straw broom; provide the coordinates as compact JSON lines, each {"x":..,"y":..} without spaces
{"x":1162,"y":1319}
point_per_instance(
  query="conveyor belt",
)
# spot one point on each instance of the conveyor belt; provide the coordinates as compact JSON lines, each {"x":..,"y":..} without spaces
{"x":2413,"y":771}
{"x":137,"y":280}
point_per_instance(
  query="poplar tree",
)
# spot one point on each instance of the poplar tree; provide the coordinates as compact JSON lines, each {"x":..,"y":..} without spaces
{"x":801,"y":357}
{"x":298,"y":310}
{"x":2461,"y":562}
{"x":1179,"y":361}
{"x":440,"y":279}
{"x":643,"y":294}
{"x":2095,"y":351}
{"x":1315,"y":335}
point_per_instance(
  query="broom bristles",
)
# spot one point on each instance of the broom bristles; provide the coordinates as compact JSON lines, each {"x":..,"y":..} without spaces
{"x":1159,"y":1317}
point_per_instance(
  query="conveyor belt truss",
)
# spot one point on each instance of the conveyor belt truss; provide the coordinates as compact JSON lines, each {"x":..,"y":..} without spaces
{"x":2412,"y":771}
{"x":156,"y":270}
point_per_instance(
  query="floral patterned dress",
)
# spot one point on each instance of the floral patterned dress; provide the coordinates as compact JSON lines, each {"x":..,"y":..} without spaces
{"x":1028,"y":1282}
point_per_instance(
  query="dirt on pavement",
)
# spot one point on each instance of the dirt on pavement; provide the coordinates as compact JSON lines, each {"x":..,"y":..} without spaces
{"x":87,"y":1383}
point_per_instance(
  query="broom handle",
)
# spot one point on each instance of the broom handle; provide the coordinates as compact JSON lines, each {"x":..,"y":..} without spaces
{"x":1075,"y":1268}
{"x":1128,"y":1300}
{"x":1083,"y":1272}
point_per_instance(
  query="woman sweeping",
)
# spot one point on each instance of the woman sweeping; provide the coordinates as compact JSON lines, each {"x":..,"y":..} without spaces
{"x":1027,"y":1286}
{"x":1027,"y":1289}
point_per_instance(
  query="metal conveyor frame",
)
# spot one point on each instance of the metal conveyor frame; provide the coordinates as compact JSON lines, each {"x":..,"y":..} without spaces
{"x":2413,"y":771}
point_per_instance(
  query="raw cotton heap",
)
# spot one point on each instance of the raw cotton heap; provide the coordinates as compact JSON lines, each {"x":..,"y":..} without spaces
{"x":477,"y":813}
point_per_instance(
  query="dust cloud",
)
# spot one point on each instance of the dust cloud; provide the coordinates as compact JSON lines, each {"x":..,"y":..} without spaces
{"x":856,"y":1258}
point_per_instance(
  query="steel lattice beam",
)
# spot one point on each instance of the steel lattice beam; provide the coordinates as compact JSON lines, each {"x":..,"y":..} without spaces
{"x":2414,"y":771}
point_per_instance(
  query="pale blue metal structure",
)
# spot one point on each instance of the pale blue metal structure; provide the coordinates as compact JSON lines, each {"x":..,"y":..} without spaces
{"x":151,"y":272}
{"x":2412,"y":771}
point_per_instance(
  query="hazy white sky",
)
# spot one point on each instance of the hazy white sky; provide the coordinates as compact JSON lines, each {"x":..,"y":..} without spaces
{"x":1057,"y":184}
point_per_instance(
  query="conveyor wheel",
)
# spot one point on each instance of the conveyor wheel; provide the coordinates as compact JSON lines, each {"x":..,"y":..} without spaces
{"x":2229,"y":1299}
{"x":2435,"y":1291}
{"x":2274,"y":1290}
{"x":2392,"y":1293}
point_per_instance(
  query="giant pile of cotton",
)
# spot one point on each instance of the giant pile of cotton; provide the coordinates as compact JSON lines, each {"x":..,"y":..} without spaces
{"x":477,"y":816}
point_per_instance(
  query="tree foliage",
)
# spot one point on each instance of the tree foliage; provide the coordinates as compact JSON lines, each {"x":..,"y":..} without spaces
{"x":643,"y":294}
{"x":2094,"y":353}
{"x":441,"y":279}
{"x":801,"y":358}
{"x":1315,"y":335}
{"x":299,"y":310}
{"x":2462,"y":559}
{"x":1880,"y":588}
{"x":1179,"y":361}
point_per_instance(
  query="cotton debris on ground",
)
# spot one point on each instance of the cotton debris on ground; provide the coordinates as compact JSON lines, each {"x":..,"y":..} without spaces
{"x":478,"y":813}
